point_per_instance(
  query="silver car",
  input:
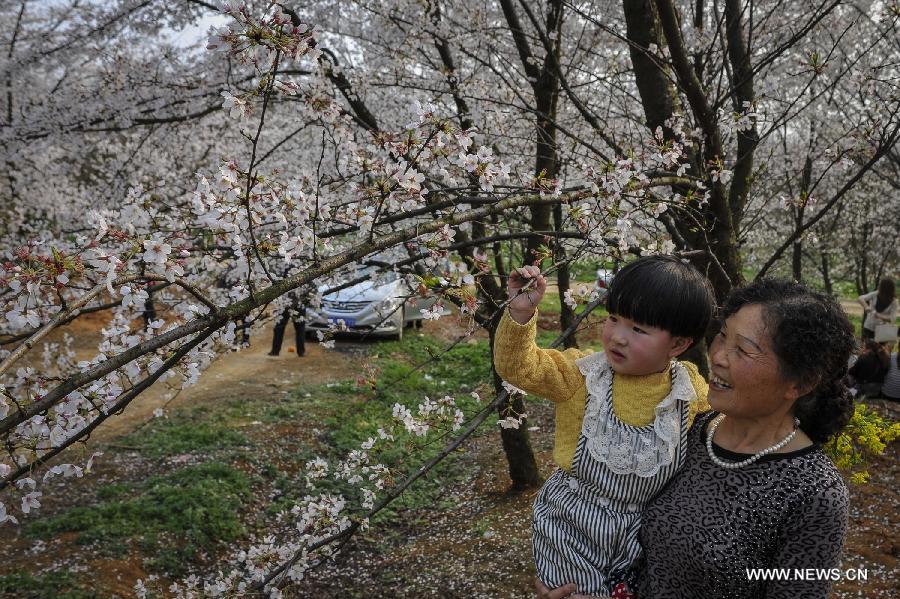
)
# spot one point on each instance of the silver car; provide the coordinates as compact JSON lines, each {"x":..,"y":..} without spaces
{"x":381,"y":308}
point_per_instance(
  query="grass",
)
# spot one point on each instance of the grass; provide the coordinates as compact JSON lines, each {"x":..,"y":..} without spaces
{"x":59,"y":585}
{"x":856,"y":321}
{"x":549,"y":303}
{"x":195,"y":506}
{"x":586,"y":271}
{"x":193,"y":432}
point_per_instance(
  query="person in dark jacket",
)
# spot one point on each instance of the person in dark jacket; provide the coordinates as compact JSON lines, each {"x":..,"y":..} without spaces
{"x":296,"y":313}
{"x":869,"y":369}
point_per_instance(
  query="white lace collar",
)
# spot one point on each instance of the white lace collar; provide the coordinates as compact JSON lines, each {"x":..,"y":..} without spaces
{"x":629,"y":449}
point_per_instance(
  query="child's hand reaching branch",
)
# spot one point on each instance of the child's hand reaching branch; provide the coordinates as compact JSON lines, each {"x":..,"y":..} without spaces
{"x":526,"y":289}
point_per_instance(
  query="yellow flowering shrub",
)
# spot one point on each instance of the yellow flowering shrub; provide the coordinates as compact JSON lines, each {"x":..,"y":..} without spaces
{"x":866,"y":435}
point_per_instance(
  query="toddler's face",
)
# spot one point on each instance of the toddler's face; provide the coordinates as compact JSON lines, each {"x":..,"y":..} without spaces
{"x":637,"y":349}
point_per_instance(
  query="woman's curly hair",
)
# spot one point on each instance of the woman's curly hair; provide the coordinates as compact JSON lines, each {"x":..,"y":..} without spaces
{"x":813,"y":340}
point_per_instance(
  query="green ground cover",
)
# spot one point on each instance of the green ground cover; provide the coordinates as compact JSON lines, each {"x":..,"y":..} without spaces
{"x":58,"y":585}
{"x":171,"y":517}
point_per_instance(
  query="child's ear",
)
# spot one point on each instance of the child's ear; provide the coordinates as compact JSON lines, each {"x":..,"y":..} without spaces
{"x":679,"y":346}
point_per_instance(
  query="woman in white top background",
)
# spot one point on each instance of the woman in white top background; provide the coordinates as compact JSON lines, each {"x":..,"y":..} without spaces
{"x":880,"y":307}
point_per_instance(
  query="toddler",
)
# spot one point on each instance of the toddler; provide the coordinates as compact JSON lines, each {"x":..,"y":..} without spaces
{"x":622,"y":415}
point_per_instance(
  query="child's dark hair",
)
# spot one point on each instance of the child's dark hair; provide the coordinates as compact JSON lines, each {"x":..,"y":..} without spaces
{"x":663,"y":292}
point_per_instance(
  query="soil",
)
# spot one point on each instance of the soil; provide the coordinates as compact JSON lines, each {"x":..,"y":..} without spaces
{"x":251,"y":368}
{"x":475,"y":542}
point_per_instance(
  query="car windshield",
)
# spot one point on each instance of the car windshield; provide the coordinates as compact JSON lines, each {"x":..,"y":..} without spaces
{"x":375,"y":275}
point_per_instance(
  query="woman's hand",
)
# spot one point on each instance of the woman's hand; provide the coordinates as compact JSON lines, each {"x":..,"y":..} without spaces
{"x":563,"y":592}
{"x":526,"y":289}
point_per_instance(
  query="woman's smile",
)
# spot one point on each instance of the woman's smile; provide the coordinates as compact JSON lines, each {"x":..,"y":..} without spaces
{"x":718,"y":383}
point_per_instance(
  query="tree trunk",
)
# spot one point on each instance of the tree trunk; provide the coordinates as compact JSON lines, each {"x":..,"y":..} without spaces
{"x":864,"y":269}
{"x":523,"y":470}
{"x":698,"y":355}
{"x":659,"y":97}
{"x":149,"y":304}
{"x":149,"y":309}
{"x":805,"y":184}
{"x":826,"y":275}
{"x":797,"y":261}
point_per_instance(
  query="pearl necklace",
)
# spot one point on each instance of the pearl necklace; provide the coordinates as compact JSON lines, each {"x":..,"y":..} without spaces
{"x":732,"y":465}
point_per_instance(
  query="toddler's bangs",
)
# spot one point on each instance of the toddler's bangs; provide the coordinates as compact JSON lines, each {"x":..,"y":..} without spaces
{"x":663,"y":292}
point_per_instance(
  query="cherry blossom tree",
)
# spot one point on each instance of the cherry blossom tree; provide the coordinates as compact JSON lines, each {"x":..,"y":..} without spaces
{"x":300,"y":141}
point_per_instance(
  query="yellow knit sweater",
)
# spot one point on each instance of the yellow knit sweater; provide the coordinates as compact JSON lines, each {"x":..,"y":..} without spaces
{"x":554,"y":375}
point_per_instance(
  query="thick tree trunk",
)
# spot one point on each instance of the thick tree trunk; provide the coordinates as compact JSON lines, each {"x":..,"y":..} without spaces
{"x":546,"y":164}
{"x":659,"y":97}
{"x":546,"y":93}
{"x":523,"y":470}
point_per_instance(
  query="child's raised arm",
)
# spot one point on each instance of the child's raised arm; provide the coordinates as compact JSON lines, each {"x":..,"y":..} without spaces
{"x":518,"y":360}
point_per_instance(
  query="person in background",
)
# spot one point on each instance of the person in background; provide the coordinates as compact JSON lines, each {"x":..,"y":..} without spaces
{"x":880,"y":307}
{"x":295,"y":312}
{"x":870,"y":368}
{"x":891,"y":386}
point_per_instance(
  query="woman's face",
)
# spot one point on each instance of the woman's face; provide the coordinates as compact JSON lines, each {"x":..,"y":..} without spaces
{"x":744,"y":377}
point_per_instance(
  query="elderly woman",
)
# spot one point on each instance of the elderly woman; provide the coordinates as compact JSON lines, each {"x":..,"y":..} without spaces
{"x":757,"y":494}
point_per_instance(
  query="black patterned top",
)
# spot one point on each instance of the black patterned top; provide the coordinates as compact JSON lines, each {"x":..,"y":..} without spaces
{"x":710,"y":526}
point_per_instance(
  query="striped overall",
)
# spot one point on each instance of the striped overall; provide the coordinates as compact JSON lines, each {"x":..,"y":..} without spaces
{"x":586,"y":523}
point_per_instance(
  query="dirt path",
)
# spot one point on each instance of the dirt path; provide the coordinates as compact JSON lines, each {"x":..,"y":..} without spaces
{"x":251,"y":371}
{"x":852,"y":307}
